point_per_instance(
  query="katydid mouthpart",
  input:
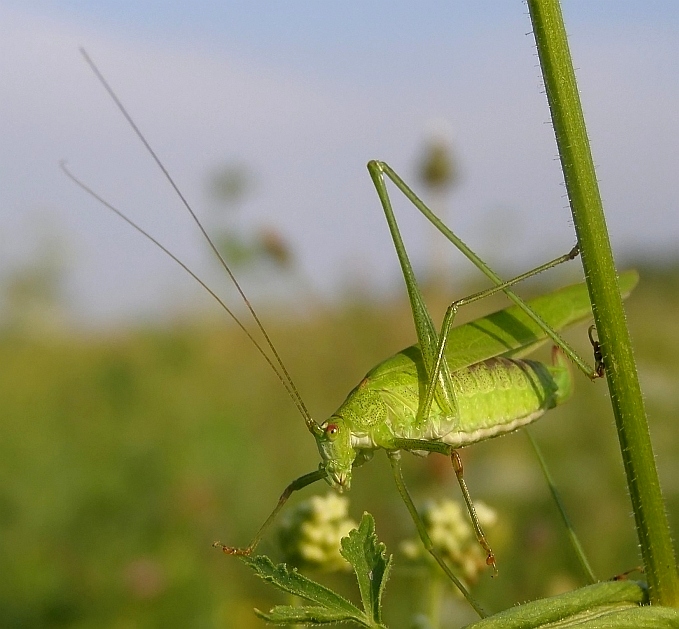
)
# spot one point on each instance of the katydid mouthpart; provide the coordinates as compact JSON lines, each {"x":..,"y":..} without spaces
{"x":455,"y":387}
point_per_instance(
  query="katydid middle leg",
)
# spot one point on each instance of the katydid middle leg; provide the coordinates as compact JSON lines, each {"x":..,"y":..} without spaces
{"x":478,"y":530}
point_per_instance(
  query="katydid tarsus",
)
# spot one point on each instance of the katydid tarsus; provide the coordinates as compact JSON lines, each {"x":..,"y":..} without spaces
{"x":457,"y":386}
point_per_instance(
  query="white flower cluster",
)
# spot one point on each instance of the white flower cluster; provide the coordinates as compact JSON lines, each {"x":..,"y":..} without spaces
{"x":310,"y":533}
{"x":452,"y":535}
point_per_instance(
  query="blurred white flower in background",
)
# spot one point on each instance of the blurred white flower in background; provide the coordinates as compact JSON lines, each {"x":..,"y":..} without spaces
{"x":452,"y":535}
{"x":309,"y":535}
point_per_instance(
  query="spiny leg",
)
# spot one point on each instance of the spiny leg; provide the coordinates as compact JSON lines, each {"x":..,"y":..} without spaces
{"x":424,"y":326}
{"x":425,"y":407}
{"x":379,"y":169}
{"x":439,"y":383}
{"x":480,"y":535}
{"x":424,"y":536}
{"x":433,"y":345}
{"x":295,"y":485}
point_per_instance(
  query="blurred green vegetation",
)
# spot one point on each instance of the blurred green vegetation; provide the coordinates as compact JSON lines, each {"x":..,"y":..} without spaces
{"x":124,"y":455}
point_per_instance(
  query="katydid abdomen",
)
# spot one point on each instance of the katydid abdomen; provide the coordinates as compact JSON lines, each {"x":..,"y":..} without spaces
{"x":500,"y":395}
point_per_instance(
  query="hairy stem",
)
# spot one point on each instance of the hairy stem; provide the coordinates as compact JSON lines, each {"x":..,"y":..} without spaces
{"x":597,"y":259}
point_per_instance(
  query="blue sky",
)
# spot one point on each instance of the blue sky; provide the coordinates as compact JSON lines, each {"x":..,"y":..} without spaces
{"x":304,"y":94}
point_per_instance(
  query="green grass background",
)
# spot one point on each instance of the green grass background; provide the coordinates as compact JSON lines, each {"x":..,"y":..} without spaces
{"x":124,"y":455}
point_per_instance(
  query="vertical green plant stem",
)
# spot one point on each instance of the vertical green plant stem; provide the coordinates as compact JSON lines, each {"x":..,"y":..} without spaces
{"x":597,"y":259}
{"x":570,"y":530}
{"x":435,"y":600}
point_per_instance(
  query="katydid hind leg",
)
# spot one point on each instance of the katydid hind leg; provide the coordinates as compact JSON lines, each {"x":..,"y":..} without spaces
{"x":385,"y":169}
{"x":440,"y":359}
{"x":449,"y":317}
{"x":573,"y":538}
{"x":424,"y":326}
{"x":599,"y":366}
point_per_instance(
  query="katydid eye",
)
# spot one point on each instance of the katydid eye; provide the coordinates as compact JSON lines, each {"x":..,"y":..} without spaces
{"x":331,"y":430}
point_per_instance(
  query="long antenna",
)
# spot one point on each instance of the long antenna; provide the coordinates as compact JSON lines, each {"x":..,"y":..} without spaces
{"x":276,"y":363}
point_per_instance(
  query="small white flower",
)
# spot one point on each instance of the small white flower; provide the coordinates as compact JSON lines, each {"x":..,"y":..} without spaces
{"x":310,"y":534}
{"x":487,"y":515}
{"x":312,"y":553}
{"x":452,"y":535}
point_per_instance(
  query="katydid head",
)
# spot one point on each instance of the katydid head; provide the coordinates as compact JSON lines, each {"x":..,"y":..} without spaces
{"x":337,"y":454}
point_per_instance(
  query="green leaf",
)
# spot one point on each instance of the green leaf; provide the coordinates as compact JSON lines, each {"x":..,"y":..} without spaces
{"x":368,"y":556}
{"x":371,"y":564}
{"x":646,"y":617}
{"x":313,"y":615}
{"x":294,"y":583}
{"x":599,"y":606}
